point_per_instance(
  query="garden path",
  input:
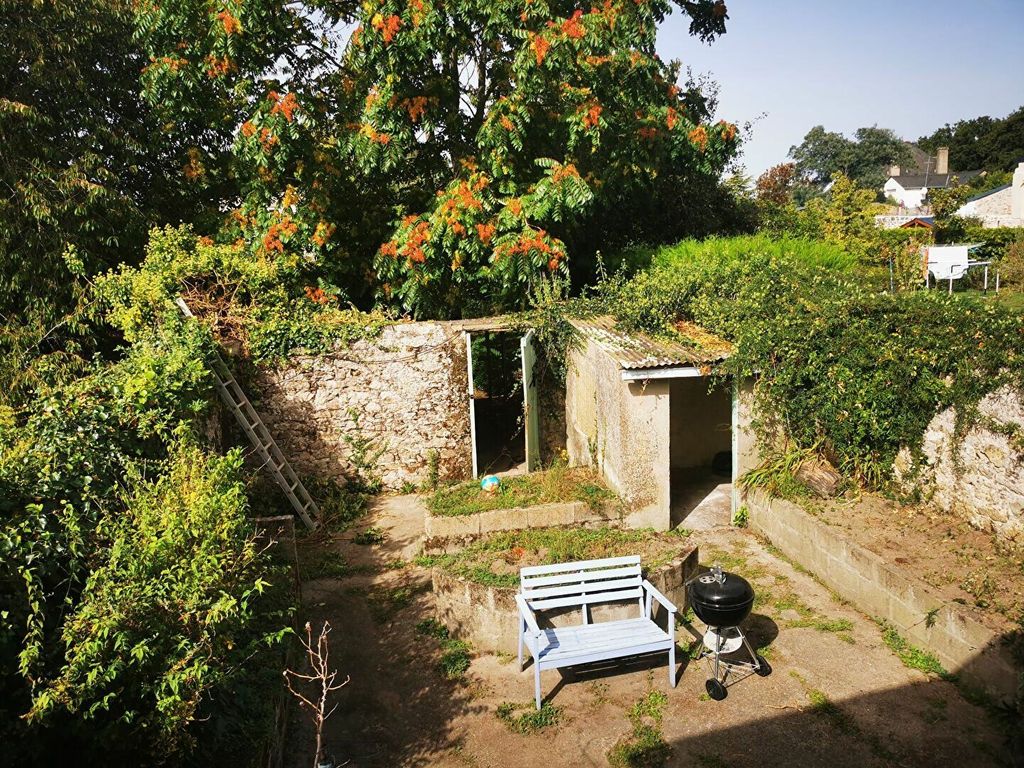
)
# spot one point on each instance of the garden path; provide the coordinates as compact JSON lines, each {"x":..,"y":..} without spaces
{"x":838,"y":695}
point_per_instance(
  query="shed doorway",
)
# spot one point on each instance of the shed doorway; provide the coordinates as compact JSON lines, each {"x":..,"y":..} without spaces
{"x":701,"y":451}
{"x":502,"y":402}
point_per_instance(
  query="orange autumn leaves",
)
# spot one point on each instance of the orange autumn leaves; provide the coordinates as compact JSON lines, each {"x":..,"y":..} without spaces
{"x":388,"y":26}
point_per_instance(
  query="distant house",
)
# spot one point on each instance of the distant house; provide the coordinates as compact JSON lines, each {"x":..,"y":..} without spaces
{"x":909,"y":185}
{"x":999,"y":207}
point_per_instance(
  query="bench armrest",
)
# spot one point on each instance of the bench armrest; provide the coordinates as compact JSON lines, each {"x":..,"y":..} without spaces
{"x":653,"y":592}
{"x":527,"y":613}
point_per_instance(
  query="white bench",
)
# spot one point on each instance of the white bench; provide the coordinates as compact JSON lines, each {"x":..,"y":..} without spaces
{"x":582,"y":584}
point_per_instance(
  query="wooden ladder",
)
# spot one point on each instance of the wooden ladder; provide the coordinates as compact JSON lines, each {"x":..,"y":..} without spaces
{"x":251,"y":423}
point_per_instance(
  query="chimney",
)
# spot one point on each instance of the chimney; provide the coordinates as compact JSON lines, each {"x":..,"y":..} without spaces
{"x":894,"y":170}
{"x":942,"y":161}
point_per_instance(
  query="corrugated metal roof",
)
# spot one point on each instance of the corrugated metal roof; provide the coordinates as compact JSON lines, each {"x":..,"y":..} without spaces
{"x":633,"y":351}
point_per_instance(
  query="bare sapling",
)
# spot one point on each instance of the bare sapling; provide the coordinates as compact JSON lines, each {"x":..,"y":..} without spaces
{"x":321,"y":681}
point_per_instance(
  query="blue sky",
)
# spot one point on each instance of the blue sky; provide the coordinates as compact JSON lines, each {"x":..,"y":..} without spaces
{"x":911,"y":66}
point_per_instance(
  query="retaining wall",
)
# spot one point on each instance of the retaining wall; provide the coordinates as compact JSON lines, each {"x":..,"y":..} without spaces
{"x":979,"y":655}
{"x":445,"y":533}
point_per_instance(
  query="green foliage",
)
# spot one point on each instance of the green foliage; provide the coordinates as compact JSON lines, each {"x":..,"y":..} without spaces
{"x":171,"y":608}
{"x":455,"y":657}
{"x":645,"y":747}
{"x":912,"y":657}
{"x":557,"y":484}
{"x":732,"y":250}
{"x":375,"y":163}
{"x":995,"y":241}
{"x":86,"y":164}
{"x":854,"y":373}
{"x":864,"y":159}
{"x":741,"y":518}
{"x":985,"y":143}
{"x":244,"y":299}
{"x":372,"y":535}
{"x":364,"y":452}
{"x":776,"y":474}
{"x":1011,"y":264}
{"x":526,"y":719}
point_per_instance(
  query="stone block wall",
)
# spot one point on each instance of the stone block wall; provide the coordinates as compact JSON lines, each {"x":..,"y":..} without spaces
{"x":982,"y":478}
{"x":961,"y":642}
{"x":406,"y":391}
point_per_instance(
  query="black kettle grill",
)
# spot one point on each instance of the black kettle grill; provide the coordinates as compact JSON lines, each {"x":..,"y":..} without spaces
{"x":723,"y":600}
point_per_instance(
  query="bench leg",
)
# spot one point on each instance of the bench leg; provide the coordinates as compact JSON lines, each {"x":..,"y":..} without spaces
{"x":522,"y":629}
{"x":672,"y":664}
{"x":536,"y":682}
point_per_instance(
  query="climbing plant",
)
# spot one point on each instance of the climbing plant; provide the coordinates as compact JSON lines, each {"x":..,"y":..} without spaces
{"x":854,"y":373}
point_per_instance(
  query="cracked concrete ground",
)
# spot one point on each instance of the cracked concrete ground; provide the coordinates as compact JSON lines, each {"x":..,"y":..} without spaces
{"x":838,"y":695}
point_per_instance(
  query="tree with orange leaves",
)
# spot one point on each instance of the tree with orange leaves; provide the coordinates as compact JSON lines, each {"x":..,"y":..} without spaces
{"x":460,"y":151}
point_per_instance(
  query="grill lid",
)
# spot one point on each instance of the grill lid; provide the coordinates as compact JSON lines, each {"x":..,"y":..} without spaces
{"x":725,"y":591}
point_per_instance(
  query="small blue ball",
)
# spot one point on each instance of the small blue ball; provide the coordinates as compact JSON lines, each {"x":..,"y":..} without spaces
{"x":490,"y":483}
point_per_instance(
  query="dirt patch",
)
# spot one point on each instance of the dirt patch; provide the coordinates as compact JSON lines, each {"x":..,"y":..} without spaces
{"x":832,"y":700}
{"x":962,"y":564}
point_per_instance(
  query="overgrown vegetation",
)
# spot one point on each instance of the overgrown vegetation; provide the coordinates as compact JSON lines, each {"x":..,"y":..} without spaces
{"x":495,"y":560}
{"x":560,"y":483}
{"x":915,"y":658}
{"x":853,"y":374}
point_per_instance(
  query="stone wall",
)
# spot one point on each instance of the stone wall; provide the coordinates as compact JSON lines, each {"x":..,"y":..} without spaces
{"x":406,"y":391}
{"x":984,"y":480}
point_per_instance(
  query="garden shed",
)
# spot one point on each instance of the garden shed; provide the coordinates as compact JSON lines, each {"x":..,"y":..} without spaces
{"x":667,"y":433}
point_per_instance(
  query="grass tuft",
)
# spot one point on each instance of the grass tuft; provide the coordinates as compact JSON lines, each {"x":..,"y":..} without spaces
{"x":645,"y":747}
{"x":913,"y":657}
{"x":558,"y":484}
{"x":526,"y":718}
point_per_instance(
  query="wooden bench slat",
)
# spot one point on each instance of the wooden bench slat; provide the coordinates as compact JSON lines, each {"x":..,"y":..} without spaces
{"x":560,"y":641}
{"x":591,"y":587}
{"x":568,"y":578}
{"x":587,"y":657}
{"x":535,"y":570}
{"x":602,"y":632}
{"x":603,"y":597}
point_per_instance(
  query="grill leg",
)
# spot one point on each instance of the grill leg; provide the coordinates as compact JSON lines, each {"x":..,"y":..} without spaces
{"x":743,"y":637}
{"x":718,"y":651}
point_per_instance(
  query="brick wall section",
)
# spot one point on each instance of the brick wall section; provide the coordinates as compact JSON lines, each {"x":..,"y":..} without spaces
{"x":487,"y":617}
{"x":408,"y":387}
{"x":961,"y":643}
{"x":987,"y":488}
